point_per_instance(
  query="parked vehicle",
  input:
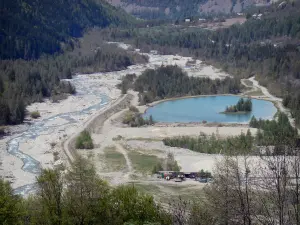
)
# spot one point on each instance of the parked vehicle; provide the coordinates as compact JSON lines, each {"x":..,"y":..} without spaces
{"x":203,"y":180}
{"x":178,"y":179}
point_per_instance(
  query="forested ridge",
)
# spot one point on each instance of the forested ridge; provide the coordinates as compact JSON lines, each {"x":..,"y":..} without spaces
{"x":38,"y":40}
{"x":30,"y":28}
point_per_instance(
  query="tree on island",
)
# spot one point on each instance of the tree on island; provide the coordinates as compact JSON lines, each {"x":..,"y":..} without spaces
{"x":241,"y":106}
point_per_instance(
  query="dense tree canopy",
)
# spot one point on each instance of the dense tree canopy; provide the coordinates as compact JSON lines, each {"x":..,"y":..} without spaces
{"x":241,"y":106}
{"x":10,"y":205}
{"x":79,"y":197}
{"x":213,"y":144}
{"x":274,"y":132}
{"x":34,"y":31}
{"x":23,"y":82}
{"x":31,"y":28}
{"x":171,"y":81}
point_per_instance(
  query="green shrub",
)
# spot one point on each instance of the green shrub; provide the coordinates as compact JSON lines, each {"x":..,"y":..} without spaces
{"x":128,"y":118}
{"x":35,"y":114}
{"x":133,"y":108}
{"x":84,"y":141}
{"x":171,"y":163}
{"x":135,"y":119}
{"x":157,"y":167}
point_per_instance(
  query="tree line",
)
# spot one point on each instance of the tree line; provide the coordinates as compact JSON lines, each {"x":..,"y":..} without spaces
{"x":23,"y":82}
{"x":167,"y":164}
{"x":241,"y":106}
{"x":171,"y":81}
{"x":274,"y":132}
{"x":79,"y":197}
{"x":277,"y":133}
{"x":214,"y":144}
{"x":134,"y":118}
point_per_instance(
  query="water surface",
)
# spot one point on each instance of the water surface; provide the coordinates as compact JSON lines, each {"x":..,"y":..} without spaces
{"x":208,"y":109}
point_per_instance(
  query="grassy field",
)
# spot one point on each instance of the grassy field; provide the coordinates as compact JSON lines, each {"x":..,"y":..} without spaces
{"x":170,"y":192}
{"x":141,"y":162}
{"x":255,"y":93}
{"x":144,"y":139}
{"x":114,"y":161}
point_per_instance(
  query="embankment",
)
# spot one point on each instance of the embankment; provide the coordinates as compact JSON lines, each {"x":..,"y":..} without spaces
{"x":95,"y":124}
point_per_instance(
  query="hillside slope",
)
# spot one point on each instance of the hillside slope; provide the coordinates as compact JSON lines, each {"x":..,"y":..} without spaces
{"x":151,"y":9}
{"x":32,"y":27}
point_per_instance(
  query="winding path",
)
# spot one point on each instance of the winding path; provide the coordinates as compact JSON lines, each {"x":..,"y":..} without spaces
{"x":121,"y":149}
{"x":269,"y":96}
{"x":264,"y":90}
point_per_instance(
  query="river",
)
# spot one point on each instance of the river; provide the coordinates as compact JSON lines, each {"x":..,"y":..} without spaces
{"x":30,"y":164}
{"x":94,"y":92}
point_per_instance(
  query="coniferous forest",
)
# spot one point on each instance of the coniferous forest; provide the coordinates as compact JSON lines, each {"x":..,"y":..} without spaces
{"x":241,"y":106}
{"x":23,"y":82}
{"x":267,"y":49}
{"x":171,"y":81}
{"x":278,"y":133}
{"x":32,"y":28}
{"x":37,"y":41}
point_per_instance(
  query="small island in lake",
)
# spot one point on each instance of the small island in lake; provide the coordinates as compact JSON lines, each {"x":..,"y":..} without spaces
{"x":243,"y":106}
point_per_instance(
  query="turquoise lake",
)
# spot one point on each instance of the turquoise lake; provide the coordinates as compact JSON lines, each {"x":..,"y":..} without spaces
{"x":208,"y":109}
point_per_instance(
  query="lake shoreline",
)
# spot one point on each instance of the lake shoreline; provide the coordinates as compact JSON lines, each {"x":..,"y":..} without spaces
{"x":236,"y":113}
{"x":206,"y":112}
{"x":152,"y":104}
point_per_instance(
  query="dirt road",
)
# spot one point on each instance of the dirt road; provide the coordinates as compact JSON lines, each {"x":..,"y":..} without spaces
{"x":276,"y":100}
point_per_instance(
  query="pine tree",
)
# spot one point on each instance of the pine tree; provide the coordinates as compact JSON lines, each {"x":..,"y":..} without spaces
{"x":10,"y":205}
